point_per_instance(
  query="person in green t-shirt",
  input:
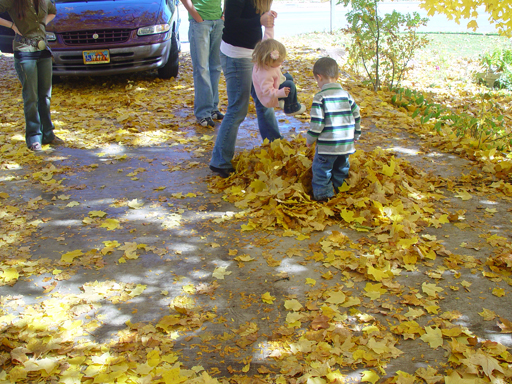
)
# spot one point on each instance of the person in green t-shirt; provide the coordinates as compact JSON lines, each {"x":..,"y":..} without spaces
{"x":204,"y":34}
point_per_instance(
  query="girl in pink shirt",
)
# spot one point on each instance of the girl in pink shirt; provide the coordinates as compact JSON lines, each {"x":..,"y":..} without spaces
{"x":272,"y":87}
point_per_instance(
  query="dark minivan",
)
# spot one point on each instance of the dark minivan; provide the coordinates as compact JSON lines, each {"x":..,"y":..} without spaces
{"x":106,"y":37}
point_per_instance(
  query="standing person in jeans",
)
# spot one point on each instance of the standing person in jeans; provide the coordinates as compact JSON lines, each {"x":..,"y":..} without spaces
{"x":204,"y":35}
{"x":335,"y":127}
{"x":242,"y":31}
{"x":33,"y":64}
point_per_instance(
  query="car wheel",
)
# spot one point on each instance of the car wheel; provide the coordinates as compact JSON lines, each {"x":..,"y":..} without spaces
{"x":171,"y":68}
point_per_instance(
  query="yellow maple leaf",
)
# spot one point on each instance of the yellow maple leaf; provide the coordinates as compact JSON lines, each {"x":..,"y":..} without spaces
{"x":69,"y":256}
{"x":414,"y":313}
{"x":244,"y":258}
{"x":499,"y":292}
{"x":293,"y":319}
{"x":10,"y":274}
{"x":302,"y":237}
{"x":248,"y":227}
{"x":472,"y":25}
{"x":336,"y":297}
{"x":487,"y":314}
{"x":110,"y":224}
{"x":370,"y":376}
{"x":293,"y":305}
{"x":173,"y":376}
{"x":379,"y":274}
{"x":431,"y":289}
{"x":408,"y":243}
{"x":138,"y":290}
{"x":190,"y":288}
{"x":433,"y":336}
{"x":388,"y":170}
{"x":464,"y":195}
{"x":134,"y":204}
{"x":328,"y":275}
{"x":220,"y":272}
{"x":97,"y":214}
{"x":352,"y":301}
{"x":258,"y":186}
{"x":267,"y":298}
{"x":374,"y":291}
{"x":487,"y":362}
{"x":348,"y":216}
{"x":310,"y":281}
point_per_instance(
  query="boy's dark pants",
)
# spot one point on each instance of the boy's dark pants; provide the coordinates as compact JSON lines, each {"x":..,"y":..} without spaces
{"x":290,"y":102}
{"x":329,"y":173}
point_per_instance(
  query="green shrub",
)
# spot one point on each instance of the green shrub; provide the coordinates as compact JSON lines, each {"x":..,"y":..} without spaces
{"x":487,"y":126}
{"x":499,"y":62}
{"x":382,"y":46}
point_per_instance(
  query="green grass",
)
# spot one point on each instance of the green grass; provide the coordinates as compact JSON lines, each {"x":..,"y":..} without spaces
{"x":471,"y":46}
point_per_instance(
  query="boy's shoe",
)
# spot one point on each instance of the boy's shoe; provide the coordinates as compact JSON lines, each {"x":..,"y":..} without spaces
{"x":217,"y":115}
{"x":299,"y":112}
{"x":281,"y":104}
{"x":206,"y":122}
{"x":36,"y":147}
{"x":324,"y":200}
{"x":223,"y":172}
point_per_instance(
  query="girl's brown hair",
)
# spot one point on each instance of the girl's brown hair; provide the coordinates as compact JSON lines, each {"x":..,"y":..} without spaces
{"x":267,"y":52}
{"x":262,"y":6}
{"x":21,"y":7}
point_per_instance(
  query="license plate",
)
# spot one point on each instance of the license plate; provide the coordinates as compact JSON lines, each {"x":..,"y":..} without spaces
{"x":96,"y":57}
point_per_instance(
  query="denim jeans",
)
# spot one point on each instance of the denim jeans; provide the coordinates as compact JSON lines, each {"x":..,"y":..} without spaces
{"x":35,"y":76}
{"x":329,"y":173}
{"x":238,"y":74}
{"x":205,"y":41}
{"x":290,"y":102}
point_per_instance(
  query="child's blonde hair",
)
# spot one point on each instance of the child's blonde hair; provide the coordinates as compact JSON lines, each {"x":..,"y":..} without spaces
{"x":262,"y":6}
{"x":267,"y":52}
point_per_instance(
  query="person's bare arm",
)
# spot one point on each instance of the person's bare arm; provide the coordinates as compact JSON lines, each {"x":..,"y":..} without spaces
{"x":49,"y":18}
{"x":192,"y":10}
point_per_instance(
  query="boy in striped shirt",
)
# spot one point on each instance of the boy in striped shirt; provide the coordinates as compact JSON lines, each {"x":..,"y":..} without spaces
{"x":335,"y":127}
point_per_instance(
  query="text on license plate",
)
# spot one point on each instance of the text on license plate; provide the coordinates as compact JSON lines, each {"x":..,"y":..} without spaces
{"x":96,"y":57}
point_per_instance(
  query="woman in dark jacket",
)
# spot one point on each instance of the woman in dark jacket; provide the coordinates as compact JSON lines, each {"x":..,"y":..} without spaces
{"x":33,"y":64}
{"x":242,"y":30}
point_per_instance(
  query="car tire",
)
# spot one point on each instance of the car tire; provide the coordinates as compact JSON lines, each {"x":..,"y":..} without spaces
{"x":171,"y":68}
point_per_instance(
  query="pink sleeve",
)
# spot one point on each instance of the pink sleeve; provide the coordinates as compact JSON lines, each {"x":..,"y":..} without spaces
{"x":269,"y":33}
{"x":267,"y":88}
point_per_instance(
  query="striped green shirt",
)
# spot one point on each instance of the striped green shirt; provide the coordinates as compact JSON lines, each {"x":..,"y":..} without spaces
{"x":335,"y":121}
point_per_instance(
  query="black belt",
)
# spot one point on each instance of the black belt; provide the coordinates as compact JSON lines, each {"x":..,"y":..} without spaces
{"x":35,"y":42}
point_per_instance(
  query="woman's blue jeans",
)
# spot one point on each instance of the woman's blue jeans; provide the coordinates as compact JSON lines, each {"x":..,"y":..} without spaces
{"x":238,"y":75}
{"x":205,"y":41}
{"x":36,"y":80}
{"x":329,"y":173}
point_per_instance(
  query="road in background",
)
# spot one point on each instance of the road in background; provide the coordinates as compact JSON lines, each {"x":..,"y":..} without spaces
{"x":297,"y":18}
